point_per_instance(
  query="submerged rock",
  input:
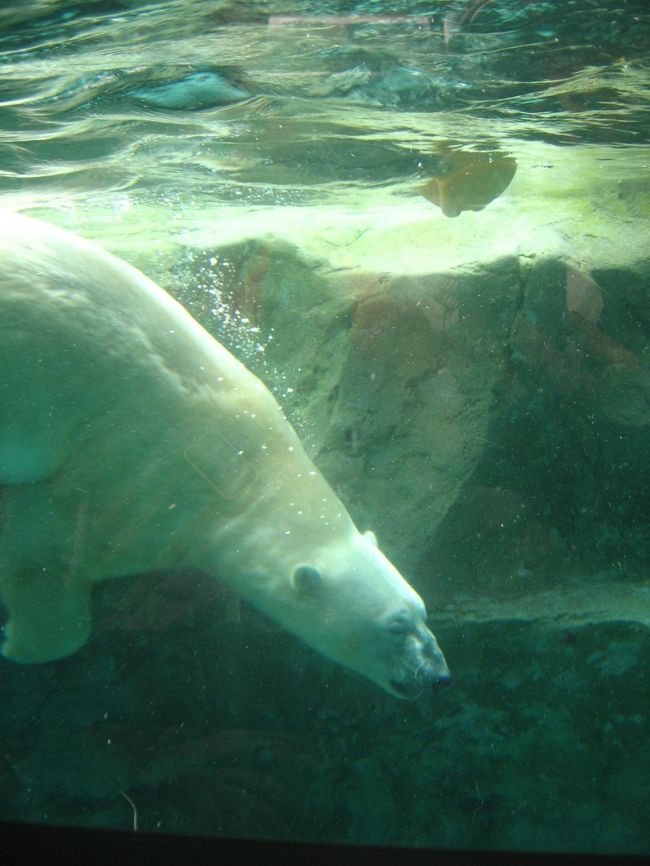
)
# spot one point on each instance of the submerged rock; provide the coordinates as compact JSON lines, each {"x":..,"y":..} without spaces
{"x":485,"y":416}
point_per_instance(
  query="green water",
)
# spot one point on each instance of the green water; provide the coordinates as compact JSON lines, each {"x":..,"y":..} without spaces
{"x":475,"y":387}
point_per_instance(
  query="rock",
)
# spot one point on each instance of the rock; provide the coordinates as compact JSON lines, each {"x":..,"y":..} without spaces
{"x":392,"y":376}
{"x":485,"y":414}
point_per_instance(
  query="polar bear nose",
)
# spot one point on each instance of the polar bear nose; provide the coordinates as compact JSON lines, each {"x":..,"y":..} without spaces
{"x":440,"y":680}
{"x":434,"y":658}
{"x":430,"y":673}
{"x":435,"y":676}
{"x":434,"y":670}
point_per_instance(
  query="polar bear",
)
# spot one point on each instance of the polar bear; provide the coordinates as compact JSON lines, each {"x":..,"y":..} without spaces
{"x":131,"y":440}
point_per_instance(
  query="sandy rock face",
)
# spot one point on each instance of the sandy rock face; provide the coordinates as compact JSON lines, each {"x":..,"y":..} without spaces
{"x":486,"y":418}
{"x":395,"y":375}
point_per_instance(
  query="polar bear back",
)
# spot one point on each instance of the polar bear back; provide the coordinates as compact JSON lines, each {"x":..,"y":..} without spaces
{"x":127,"y":433}
{"x":82,"y":327}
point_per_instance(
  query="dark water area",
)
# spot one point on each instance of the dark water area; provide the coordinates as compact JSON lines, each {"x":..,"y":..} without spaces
{"x":425,"y":227}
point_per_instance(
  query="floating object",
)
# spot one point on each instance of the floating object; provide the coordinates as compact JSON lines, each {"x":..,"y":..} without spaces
{"x":196,"y":91}
{"x":468,"y":180}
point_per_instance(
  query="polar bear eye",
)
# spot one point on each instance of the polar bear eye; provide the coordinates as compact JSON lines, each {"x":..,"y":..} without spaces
{"x":400,"y":625}
{"x":307,"y":579}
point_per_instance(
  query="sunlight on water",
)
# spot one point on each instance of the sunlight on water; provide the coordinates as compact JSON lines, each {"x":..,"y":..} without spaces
{"x":305,"y":109}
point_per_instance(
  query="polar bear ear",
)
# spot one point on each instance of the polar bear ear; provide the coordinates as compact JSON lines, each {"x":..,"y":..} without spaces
{"x":307,"y":579}
{"x":372,"y":538}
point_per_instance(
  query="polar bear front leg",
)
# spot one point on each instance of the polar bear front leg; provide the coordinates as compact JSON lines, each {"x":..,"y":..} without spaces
{"x":49,"y":616}
{"x":47,"y":600}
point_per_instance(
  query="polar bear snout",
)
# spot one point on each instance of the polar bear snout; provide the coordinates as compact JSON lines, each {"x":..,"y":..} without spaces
{"x":435,"y":660}
{"x":426,"y":667}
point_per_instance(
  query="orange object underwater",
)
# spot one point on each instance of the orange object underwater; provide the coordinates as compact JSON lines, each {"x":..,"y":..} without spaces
{"x":468,"y":180}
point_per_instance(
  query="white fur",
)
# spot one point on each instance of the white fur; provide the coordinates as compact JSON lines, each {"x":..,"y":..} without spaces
{"x":131,"y":440}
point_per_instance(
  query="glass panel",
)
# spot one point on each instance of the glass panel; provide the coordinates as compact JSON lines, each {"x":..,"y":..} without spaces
{"x":423,"y":230}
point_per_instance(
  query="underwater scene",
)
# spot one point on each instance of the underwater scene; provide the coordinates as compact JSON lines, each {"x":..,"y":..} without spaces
{"x":325,"y":420}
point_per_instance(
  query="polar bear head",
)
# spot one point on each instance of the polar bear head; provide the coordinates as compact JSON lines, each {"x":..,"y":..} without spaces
{"x":364,"y":615}
{"x":347,"y":601}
